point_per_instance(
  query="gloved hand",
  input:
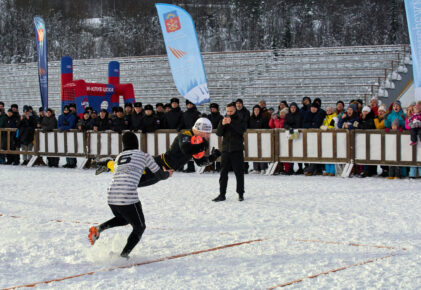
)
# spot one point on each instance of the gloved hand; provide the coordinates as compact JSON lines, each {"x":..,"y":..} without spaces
{"x":215,"y":153}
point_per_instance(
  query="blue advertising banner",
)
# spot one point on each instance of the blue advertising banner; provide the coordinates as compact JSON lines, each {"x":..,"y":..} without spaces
{"x":183,"y":53}
{"x":413,"y":16}
{"x":41,"y":40}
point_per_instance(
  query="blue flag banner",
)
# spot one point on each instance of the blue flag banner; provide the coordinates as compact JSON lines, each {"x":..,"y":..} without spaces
{"x":183,"y":53}
{"x":41,"y":40}
{"x":413,"y":16}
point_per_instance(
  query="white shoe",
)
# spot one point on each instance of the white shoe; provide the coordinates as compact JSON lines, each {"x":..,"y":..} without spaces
{"x":255,"y":172}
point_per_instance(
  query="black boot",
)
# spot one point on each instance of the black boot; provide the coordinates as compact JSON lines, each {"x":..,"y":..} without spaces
{"x":240,"y":196}
{"x":220,"y":197}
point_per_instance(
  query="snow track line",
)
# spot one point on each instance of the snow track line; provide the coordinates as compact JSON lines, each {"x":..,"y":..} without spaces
{"x":352,"y":244}
{"x":137,"y":264}
{"x":331,"y":271}
{"x":54,"y":220}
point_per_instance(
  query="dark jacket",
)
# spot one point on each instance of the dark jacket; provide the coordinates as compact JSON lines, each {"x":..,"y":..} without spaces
{"x":136,"y":121}
{"x":149,"y":124}
{"x":367,"y":123}
{"x":66,"y":121}
{"x":233,"y":139}
{"x":189,"y":118}
{"x":215,"y":118}
{"x":49,"y":123}
{"x":118,"y":125}
{"x":160,"y":117}
{"x":102,"y":124}
{"x":258,"y":122}
{"x":312,"y":120}
{"x":244,"y":115}
{"x":85,"y":124}
{"x":350,"y":120}
{"x":174,"y":118}
{"x":26,"y":130}
{"x":293,"y":120}
{"x":2,"y":119}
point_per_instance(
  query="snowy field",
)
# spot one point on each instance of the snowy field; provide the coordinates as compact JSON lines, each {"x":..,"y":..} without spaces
{"x":292,"y":227}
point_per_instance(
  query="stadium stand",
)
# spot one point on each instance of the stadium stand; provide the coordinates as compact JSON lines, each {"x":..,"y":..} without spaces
{"x":346,"y":73}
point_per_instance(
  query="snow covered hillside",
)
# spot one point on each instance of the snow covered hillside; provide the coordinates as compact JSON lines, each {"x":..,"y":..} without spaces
{"x":287,"y":229}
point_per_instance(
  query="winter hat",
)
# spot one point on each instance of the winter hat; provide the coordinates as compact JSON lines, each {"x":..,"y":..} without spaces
{"x":285,"y":110}
{"x":360,"y":101}
{"x":285,"y":103}
{"x":94,"y":112}
{"x":104,"y":110}
{"x":293,"y":104}
{"x":65,"y":108}
{"x":188,"y":102}
{"x":382,"y":107}
{"x":138,"y":105}
{"x":130,"y":141}
{"x":72,"y":105}
{"x":25,"y":108}
{"x":128,"y":105}
{"x":120,"y":109}
{"x":307,"y":98}
{"x":318,"y":101}
{"x":40,"y":109}
{"x":398,"y":103}
{"x":366,"y":109}
{"x":14,"y":106}
{"x":175,"y":100}
{"x":214,"y":105}
{"x":353,"y":107}
{"x":148,"y":107}
{"x":203,"y":125}
{"x":159,"y":105}
{"x":50,"y":110}
{"x":10,"y":110}
{"x":315,"y":105}
{"x":167,"y":106}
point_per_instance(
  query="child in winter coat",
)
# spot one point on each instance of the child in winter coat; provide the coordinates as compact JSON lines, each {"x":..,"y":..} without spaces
{"x":329,"y":123}
{"x":395,"y":171}
{"x":414,"y":124}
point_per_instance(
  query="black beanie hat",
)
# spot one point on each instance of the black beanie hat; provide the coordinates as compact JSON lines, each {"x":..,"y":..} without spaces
{"x":175,"y":100}
{"x":130,"y":141}
{"x":148,"y":107}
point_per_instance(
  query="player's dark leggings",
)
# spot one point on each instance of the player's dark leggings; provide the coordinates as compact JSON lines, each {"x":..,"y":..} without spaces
{"x":127,"y":214}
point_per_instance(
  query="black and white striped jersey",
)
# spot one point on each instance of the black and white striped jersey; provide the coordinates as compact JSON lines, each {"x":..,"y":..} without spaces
{"x":128,"y":168}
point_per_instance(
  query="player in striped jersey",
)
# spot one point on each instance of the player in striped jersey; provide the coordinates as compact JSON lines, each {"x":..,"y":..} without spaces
{"x":122,"y":193}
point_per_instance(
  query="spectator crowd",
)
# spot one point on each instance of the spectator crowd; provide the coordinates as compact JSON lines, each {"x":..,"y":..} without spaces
{"x":135,"y":117}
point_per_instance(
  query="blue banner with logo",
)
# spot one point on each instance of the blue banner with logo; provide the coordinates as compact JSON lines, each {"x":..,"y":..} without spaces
{"x":41,"y":40}
{"x":183,"y":53}
{"x":413,"y":16}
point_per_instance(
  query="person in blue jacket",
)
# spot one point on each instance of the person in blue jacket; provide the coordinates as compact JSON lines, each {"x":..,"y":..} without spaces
{"x":67,"y":121}
{"x":396,"y":113}
{"x":350,"y":119}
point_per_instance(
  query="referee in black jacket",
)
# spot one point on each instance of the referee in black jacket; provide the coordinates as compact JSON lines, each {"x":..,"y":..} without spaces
{"x":232,"y":129}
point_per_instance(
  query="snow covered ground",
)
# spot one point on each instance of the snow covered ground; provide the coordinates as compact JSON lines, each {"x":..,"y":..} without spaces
{"x":298,"y":226}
